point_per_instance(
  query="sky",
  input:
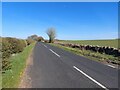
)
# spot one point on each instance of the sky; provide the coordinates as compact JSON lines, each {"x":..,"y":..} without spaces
{"x":72,"y":21}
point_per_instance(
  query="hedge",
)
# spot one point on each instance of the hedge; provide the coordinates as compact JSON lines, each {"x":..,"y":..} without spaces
{"x":29,"y":41}
{"x":11,"y":46}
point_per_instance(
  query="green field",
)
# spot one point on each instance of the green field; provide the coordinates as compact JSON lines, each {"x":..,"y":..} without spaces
{"x":111,"y":42}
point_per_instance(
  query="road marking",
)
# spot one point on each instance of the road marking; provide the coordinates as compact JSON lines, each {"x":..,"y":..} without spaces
{"x":54,"y":52}
{"x":90,"y":78}
{"x":111,"y":66}
{"x":45,"y":45}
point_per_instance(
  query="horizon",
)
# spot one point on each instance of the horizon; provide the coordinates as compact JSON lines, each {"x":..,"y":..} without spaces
{"x":57,"y":38}
{"x":73,"y":21}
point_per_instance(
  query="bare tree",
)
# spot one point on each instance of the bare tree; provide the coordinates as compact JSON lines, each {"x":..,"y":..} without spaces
{"x":51,"y":32}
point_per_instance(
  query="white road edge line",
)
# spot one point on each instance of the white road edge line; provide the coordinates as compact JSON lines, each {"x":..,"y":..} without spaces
{"x":54,"y":52}
{"x":90,"y":78}
{"x":111,"y":66}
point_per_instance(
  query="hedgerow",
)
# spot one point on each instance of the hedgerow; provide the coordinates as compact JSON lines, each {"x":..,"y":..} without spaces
{"x":11,"y":46}
{"x":29,"y":41}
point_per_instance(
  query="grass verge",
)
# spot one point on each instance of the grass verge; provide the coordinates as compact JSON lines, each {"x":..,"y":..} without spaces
{"x":11,"y":78}
{"x":90,"y":54}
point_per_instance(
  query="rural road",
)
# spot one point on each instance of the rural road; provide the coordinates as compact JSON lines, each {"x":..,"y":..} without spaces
{"x":56,"y":68}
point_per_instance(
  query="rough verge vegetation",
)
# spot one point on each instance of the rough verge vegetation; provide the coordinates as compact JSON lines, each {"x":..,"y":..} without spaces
{"x":14,"y":53}
{"x":11,"y":77}
{"x":91,"y":54}
{"x":10,"y":47}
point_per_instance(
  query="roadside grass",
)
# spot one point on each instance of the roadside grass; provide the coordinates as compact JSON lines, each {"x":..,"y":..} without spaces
{"x":110,"y":42}
{"x":89,"y":54}
{"x":11,"y":78}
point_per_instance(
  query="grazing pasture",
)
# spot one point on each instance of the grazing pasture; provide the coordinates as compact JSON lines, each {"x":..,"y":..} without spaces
{"x":110,"y":42}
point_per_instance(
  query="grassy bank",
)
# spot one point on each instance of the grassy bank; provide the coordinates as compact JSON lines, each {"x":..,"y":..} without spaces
{"x":11,"y":78}
{"x":111,"y":42}
{"x":90,"y":54}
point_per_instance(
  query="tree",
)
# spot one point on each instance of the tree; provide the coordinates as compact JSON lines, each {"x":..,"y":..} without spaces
{"x":33,"y":37}
{"x":51,"y":32}
{"x":40,"y":38}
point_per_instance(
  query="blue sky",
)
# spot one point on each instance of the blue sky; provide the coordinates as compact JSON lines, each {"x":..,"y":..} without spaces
{"x":73,"y":21}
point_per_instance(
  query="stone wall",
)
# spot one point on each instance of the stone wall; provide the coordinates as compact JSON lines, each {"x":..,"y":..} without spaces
{"x":103,"y":50}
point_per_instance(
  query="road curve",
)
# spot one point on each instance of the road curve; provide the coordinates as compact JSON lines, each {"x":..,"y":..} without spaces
{"x":56,"y":68}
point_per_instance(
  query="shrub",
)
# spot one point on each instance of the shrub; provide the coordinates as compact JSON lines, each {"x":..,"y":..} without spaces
{"x":20,"y":46}
{"x":6,"y":48}
{"x":12,"y":45}
{"x":29,"y":41}
{"x":9,"y":47}
{"x":16,"y":45}
{"x":6,"y":64}
{"x":46,"y":41}
{"x":40,"y":39}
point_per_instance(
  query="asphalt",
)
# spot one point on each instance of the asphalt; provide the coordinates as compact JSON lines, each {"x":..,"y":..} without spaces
{"x":56,"y":68}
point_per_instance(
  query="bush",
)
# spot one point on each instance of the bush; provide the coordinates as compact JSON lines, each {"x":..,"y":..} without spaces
{"x":39,"y":39}
{"x":6,"y":65}
{"x":29,"y":41}
{"x":46,"y":41}
{"x":10,"y":46}
{"x":16,"y":45}
{"x":6,"y":48}
{"x":11,"y":78}
{"x":20,"y":46}
{"x":23,"y":43}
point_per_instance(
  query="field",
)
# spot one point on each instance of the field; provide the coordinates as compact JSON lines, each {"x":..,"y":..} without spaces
{"x":111,"y":42}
